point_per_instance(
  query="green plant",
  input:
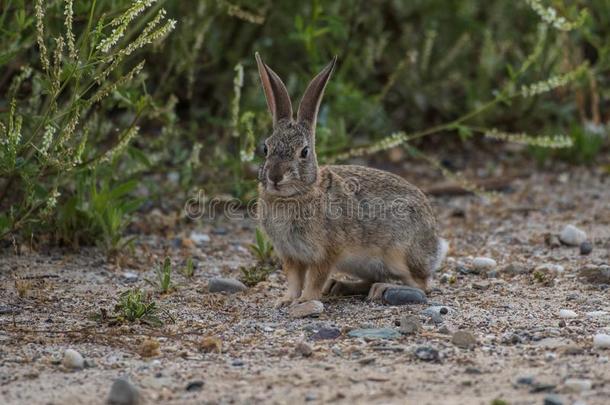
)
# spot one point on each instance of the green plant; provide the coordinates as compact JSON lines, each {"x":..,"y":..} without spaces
{"x":262,"y":249}
{"x":134,"y":305}
{"x":74,"y":110}
{"x":189,"y":268}
{"x":163,"y":282}
{"x":97,"y":212}
{"x":253,"y":275}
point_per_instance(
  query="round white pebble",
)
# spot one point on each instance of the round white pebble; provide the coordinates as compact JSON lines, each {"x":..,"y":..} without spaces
{"x":73,"y":360}
{"x":571,"y":235}
{"x":578,"y":384}
{"x":483,"y":263}
{"x":567,"y":313}
{"x":596,"y":314}
{"x":601,"y":341}
{"x":550,"y":268}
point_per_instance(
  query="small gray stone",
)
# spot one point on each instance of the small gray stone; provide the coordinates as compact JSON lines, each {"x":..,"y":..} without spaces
{"x":481,"y":286}
{"x":586,"y":247}
{"x":550,"y":268}
{"x":567,"y":314}
{"x":577,"y":384}
{"x":572,"y":236}
{"x":410,"y":325}
{"x":305,"y":309}
{"x":596,"y":274}
{"x":326,"y":333}
{"x":130,"y":277}
{"x":73,"y":360}
{"x":123,"y":393}
{"x":464,"y":339}
{"x":229,"y":285}
{"x":194,"y":386}
{"x":483,"y":264}
{"x":304,"y":349}
{"x":516,"y":269}
{"x":552,"y":400}
{"x":526,"y":380}
{"x":404,"y":295}
{"x":199,"y":238}
{"x":374,"y":333}
{"x":427,"y":353}
{"x":444,"y":330}
{"x":7,"y":310}
{"x":434,"y":313}
{"x":601,"y":341}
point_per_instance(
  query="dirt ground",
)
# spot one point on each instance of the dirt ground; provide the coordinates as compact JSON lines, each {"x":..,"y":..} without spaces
{"x":525,"y":353}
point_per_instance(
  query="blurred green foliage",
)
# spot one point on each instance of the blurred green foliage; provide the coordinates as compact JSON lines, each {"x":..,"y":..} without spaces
{"x":409,"y":67}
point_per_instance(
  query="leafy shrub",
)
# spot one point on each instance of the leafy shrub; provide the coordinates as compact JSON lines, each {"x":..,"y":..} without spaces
{"x":71,"y":112}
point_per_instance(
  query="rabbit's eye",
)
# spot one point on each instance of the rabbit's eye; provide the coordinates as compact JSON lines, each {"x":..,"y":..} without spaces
{"x":304,"y":152}
{"x":265,"y":150}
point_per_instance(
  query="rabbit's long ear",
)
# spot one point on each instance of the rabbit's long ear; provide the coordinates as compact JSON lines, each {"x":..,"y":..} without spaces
{"x":308,"y":109}
{"x":276,"y":94}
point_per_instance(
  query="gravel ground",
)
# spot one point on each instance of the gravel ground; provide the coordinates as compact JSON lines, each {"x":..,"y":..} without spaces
{"x":236,"y":348}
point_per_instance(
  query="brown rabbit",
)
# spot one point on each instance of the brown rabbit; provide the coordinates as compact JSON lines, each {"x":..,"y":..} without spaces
{"x":367,"y":223}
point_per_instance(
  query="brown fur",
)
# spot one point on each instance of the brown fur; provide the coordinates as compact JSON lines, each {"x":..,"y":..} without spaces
{"x":368,"y":223}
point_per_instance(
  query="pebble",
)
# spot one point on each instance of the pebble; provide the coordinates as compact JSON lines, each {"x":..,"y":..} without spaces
{"x":427,"y":353}
{"x":596,"y":314}
{"x":73,"y":360}
{"x":305,"y":309}
{"x":434,"y":313}
{"x":326,"y":333}
{"x":516,"y":269}
{"x":552,"y":400}
{"x":550,"y":268}
{"x":483,"y":264}
{"x":229,"y":285}
{"x":444,"y":330}
{"x":123,"y":393}
{"x":410,"y":325}
{"x":578,"y":384}
{"x":304,"y":349}
{"x":464,"y":339}
{"x":481,"y":286}
{"x":404,"y":295}
{"x":572,"y":236}
{"x":586,"y":247}
{"x":567,"y":314}
{"x":601,"y":341}
{"x":596,"y":274}
{"x":194,"y":385}
{"x":199,"y":238}
{"x":374,"y":333}
{"x":525,"y":380}
{"x":130,"y":277}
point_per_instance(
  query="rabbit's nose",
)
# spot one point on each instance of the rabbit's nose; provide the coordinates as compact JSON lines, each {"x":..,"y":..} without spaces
{"x":275,"y":177}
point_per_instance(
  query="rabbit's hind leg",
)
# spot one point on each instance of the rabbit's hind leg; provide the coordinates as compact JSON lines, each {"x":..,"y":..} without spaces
{"x":396,"y":263}
{"x":344,"y":288}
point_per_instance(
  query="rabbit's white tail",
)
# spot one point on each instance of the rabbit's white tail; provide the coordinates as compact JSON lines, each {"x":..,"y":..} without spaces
{"x":441,"y":252}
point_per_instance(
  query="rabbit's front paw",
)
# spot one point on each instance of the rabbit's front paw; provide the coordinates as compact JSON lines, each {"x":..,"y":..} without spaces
{"x":285,"y":301}
{"x":310,"y":297}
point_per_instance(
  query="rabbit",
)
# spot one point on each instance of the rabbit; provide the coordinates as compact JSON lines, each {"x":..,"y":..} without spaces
{"x":369,"y":224}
